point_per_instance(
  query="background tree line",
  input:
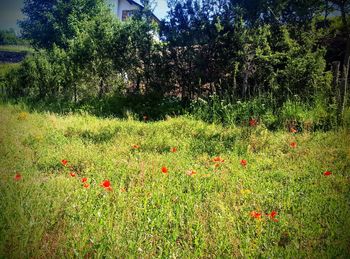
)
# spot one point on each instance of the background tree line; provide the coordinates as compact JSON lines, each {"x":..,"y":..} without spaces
{"x":9,"y":37}
{"x":215,"y":57}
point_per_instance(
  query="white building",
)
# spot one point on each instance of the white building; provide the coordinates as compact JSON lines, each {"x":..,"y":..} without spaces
{"x":125,"y":8}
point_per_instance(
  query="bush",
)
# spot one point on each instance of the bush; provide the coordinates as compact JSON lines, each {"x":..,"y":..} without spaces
{"x":153,"y":106}
{"x":215,"y":110}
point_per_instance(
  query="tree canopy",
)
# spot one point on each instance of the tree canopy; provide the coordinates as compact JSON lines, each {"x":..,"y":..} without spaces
{"x":232,"y":49}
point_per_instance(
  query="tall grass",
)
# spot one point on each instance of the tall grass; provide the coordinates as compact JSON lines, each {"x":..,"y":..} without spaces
{"x":46,"y":212}
{"x":291,"y":114}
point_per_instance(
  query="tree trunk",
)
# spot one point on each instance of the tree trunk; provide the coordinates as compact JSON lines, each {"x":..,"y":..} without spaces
{"x":345,"y":67}
{"x":343,"y":90}
{"x":234,"y":87}
{"x":102,"y":88}
{"x":335,"y":83}
{"x":75,"y":93}
{"x":245,"y":82}
{"x":326,"y":13}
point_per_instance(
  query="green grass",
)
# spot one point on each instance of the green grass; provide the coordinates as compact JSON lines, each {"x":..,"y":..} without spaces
{"x":16,"y":48}
{"x":48,"y":213}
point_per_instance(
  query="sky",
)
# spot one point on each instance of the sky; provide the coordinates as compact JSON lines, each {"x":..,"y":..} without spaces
{"x":10,"y":12}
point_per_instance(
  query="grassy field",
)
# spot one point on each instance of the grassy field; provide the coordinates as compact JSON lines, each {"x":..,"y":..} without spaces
{"x":16,"y":48}
{"x":80,"y":186}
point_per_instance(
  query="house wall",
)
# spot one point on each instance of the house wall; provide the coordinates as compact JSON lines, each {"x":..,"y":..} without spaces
{"x":114,"y":5}
{"x":123,"y":5}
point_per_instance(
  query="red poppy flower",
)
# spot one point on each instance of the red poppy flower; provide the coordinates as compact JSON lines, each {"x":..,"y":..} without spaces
{"x":173,"y":149}
{"x":293,"y":145}
{"x":252,"y":122}
{"x":217,"y":165}
{"x":83,"y":180}
{"x":327,"y":173}
{"x":256,"y":215}
{"x":272,"y":215}
{"x":136,"y":146}
{"x":106,"y":184}
{"x":72,"y":174}
{"x":64,"y":162}
{"x":293,"y":130}
{"x":191,"y":173}
{"x":86,"y":185}
{"x":218,"y":159}
{"x":243,"y":162}
{"x":164,"y":170}
{"x":18,"y":177}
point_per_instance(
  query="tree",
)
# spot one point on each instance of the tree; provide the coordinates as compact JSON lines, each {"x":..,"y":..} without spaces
{"x":50,"y":22}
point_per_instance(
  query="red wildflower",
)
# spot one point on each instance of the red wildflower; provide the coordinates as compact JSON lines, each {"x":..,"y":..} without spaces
{"x":218,"y":159}
{"x":86,"y":185}
{"x":106,"y":184}
{"x":252,"y":122}
{"x":136,"y":146}
{"x":18,"y":177}
{"x":64,"y":162}
{"x":72,"y":174}
{"x":293,"y":130}
{"x":191,"y":173}
{"x":173,"y":149}
{"x":327,"y":173}
{"x":83,"y":180}
{"x":243,"y":162}
{"x":256,"y":215}
{"x":217,"y":165}
{"x":293,"y":145}
{"x":272,"y":215}
{"x":164,"y":170}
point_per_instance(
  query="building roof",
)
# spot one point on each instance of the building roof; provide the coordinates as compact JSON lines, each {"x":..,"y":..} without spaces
{"x":134,"y":2}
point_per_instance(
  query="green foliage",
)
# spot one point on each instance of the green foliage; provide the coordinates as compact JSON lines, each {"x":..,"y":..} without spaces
{"x":87,"y":53}
{"x":39,"y":76}
{"x":227,"y":57}
{"x":9,"y":37}
{"x":153,"y":106}
{"x":347,"y":118}
{"x":241,"y":112}
{"x":238,"y":59}
{"x":49,"y":23}
{"x":292,"y":113}
{"x":81,"y":68}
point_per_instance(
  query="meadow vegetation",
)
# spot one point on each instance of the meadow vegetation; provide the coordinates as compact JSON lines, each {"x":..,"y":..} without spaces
{"x":227,"y":136}
{"x":16,"y":48}
{"x":81,"y":186}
